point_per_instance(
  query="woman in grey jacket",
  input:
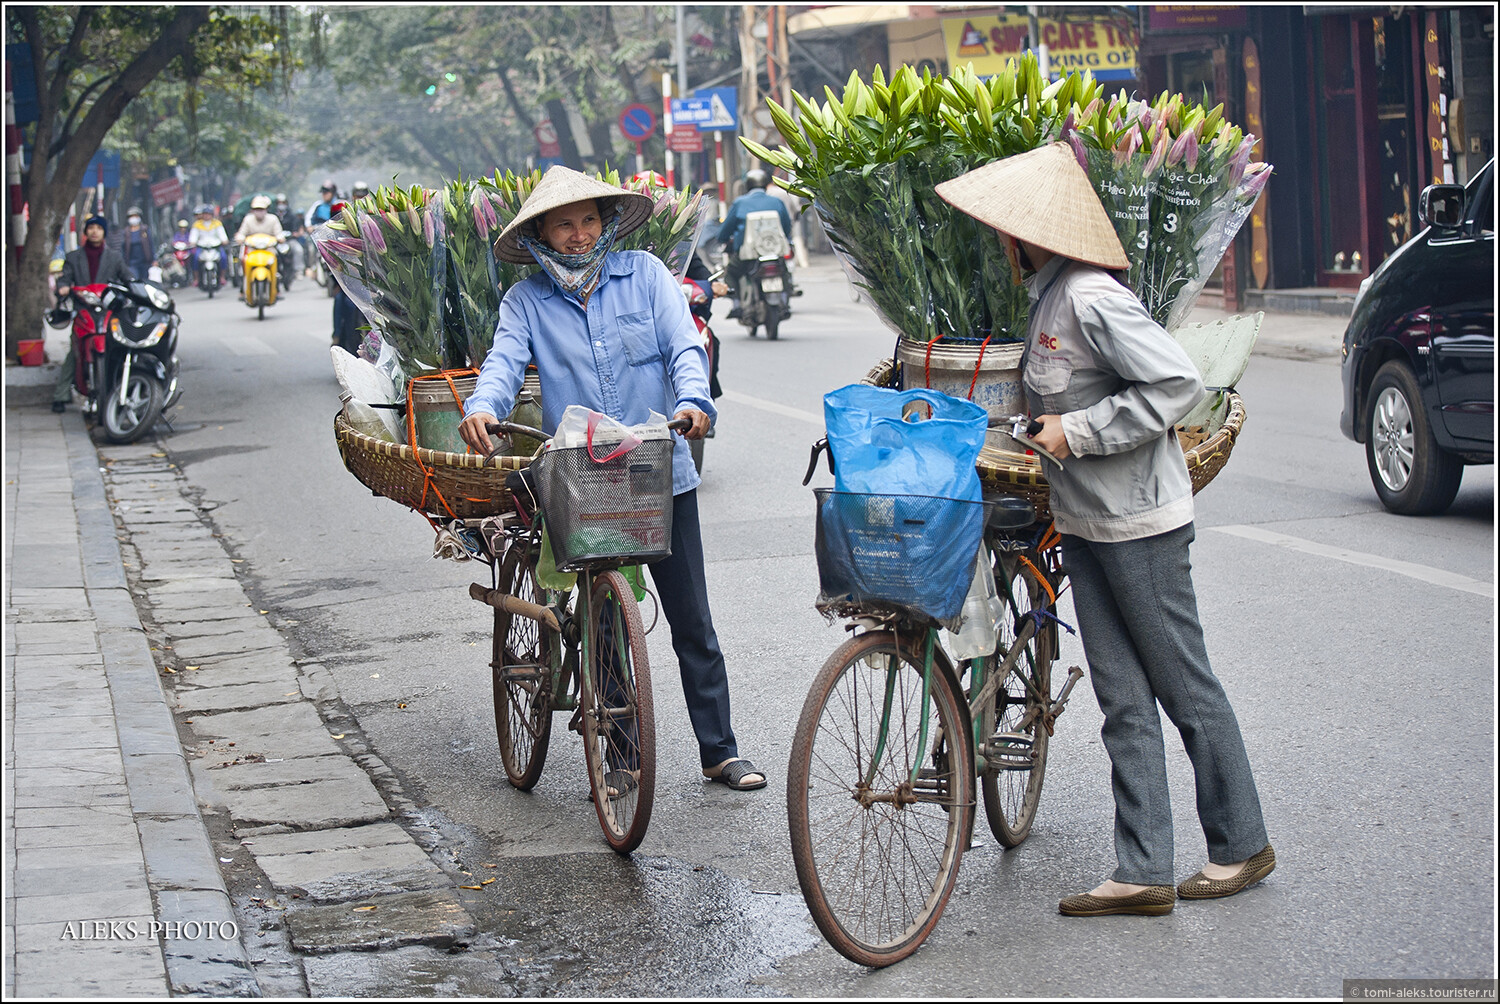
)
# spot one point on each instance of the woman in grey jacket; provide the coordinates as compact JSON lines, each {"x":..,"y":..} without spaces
{"x":1109,"y":385}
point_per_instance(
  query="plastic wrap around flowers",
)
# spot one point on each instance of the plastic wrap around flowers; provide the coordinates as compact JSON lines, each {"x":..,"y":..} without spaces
{"x":388,"y":252}
{"x":420,"y":265}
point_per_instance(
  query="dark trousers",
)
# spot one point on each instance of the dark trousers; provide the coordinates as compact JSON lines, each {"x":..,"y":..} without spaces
{"x":683,"y":588}
{"x":1138,"y":616}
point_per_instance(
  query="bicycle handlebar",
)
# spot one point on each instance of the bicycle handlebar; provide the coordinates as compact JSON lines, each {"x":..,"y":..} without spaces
{"x":513,"y":428}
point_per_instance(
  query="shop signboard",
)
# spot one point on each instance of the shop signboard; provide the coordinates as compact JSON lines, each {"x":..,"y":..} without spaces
{"x":1106,"y":48}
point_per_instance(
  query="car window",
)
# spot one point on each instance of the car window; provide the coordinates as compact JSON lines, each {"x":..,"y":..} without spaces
{"x":1482,"y":200}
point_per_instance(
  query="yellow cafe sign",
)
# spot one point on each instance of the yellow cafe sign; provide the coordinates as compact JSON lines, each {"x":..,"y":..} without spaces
{"x":1105,"y":48}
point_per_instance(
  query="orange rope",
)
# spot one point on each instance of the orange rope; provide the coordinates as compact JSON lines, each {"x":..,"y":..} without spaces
{"x":1051,"y":593}
{"x":980,"y":362}
{"x":927,"y":363}
{"x":411,"y":433}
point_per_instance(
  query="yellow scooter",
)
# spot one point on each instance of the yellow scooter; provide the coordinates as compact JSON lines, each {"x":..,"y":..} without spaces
{"x":259,"y":286}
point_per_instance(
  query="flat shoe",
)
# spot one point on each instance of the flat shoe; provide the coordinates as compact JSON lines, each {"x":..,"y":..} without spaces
{"x":1200,"y":886}
{"x":1152,"y":901}
{"x":732,"y":775}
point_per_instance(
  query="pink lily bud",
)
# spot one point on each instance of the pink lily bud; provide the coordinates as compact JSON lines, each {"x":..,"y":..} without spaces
{"x":1256,"y":177}
{"x":490,"y":211}
{"x":416,"y":220}
{"x":1158,"y":149}
{"x":429,"y":228}
{"x":1239,"y":161}
{"x":481,"y":222}
{"x":1192,"y":147}
{"x":1180,"y":148}
{"x":373,"y":237}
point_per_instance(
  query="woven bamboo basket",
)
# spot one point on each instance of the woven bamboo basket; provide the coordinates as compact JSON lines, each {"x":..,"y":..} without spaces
{"x":1003,"y":472}
{"x":462,"y":485}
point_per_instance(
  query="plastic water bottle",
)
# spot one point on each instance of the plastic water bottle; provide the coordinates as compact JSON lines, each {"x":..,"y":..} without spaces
{"x":362,"y":418}
{"x":980,"y":630}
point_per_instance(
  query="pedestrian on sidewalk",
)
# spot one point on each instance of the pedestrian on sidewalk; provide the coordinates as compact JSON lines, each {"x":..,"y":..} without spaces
{"x":92,"y":264}
{"x":1109,"y":385}
{"x":610,"y":330}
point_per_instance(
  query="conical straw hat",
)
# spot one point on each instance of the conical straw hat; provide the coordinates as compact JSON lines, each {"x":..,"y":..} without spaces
{"x":1044,"y":198}
{"x":562,"y":186}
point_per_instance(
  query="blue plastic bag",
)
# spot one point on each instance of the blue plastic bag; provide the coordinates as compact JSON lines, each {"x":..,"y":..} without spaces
{"x":876,"y":450}
{"x":903,"y":523}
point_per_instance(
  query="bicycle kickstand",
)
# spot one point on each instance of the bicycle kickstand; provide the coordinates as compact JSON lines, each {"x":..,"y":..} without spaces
{"x":1061,"y":704}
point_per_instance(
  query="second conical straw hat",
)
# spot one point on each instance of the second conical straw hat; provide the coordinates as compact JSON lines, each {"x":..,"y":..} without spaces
{"x":562,"y":186}
{"x":1044,"y":198}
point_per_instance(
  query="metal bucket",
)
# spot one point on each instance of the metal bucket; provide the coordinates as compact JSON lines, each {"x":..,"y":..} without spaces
{"x":951,"y":368}
{"x":437,"y":415}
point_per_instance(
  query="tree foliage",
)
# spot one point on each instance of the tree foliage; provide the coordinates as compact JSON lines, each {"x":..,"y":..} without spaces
{"x":90,"y":63}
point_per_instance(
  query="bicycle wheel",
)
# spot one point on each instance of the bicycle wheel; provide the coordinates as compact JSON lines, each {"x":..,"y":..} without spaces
{"x":520,"y":674}
{"x":1016,"y":746}
{"x":877,"y":862}
{"x":619,"y":732}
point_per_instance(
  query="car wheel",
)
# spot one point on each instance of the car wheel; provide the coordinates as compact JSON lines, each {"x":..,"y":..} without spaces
{"x":1412,"y":475}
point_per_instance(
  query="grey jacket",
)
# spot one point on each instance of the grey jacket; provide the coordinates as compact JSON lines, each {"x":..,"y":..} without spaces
{"x":112,"y":268}
{"x":1121,"y":384}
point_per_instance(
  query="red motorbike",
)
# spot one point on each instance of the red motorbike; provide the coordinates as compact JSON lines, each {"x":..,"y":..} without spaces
{"x":124,"y":354}
{"x":700,"y":305}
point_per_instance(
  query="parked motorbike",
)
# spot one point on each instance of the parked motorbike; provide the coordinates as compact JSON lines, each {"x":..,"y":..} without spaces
{"x":125,"y":354}
{"x":260,"y":272}
{"x":700,"y":305}
{"x":765,"y":283}
{"x":210,"y":267}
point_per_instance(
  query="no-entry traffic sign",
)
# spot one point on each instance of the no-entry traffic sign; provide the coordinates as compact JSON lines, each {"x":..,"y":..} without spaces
{"x":637,"y":122}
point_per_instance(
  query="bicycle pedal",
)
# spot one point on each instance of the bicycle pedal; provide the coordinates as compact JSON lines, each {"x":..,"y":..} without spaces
{"x":1009,"y":751}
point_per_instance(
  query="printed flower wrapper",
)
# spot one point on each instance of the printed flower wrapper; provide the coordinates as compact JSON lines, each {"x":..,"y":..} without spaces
{"x":394,"y":271}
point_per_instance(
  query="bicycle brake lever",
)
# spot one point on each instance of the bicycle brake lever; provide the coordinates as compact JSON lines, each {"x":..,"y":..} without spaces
{"x":812,"y":460}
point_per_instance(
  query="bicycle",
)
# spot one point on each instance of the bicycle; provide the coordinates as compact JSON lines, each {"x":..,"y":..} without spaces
{"x":580,"y":650}
{"x":892,"y":737}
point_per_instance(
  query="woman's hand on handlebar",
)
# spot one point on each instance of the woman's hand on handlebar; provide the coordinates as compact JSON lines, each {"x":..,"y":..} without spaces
{"x":474,"y":433}
{"x":698,"y":423}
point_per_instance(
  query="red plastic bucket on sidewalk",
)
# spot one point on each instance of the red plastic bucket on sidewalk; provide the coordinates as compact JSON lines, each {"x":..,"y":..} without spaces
{"x":31,"y":351}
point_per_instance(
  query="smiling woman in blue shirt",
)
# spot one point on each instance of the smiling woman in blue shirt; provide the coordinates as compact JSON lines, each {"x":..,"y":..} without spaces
{"x":610,"y":330}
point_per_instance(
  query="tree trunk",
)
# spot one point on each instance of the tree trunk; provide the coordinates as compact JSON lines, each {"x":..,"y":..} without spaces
{"x":564,"y":129}
{"x":51,"y":192}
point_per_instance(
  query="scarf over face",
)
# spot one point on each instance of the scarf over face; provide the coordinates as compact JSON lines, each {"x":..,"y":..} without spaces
{"x":577,"y":275}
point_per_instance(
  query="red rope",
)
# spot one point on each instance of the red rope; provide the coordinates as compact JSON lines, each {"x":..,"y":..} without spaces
{"x":927,"y":363}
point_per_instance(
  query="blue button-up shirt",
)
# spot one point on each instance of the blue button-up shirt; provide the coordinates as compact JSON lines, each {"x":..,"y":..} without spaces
{"x":634,"y":350}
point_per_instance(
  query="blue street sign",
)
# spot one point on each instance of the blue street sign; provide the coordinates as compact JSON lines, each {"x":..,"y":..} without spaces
{"x":110,"y":161}
{"x":637,"y":122}
{"x":723,"y":103}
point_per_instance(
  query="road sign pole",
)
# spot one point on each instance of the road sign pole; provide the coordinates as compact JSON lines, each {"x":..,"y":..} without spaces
{"x":640,"y":159}
{"x":719,"y":172}
{"x":666,"y":124}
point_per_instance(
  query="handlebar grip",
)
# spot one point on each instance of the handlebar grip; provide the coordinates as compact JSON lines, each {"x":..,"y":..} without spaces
{"x":679,"y":425}
{"x":504,"y":428}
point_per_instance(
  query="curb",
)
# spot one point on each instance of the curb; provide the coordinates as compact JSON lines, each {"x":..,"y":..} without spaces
{"x":181,"y":864}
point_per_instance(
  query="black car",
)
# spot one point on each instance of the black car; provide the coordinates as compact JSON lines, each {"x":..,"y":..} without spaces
{"x":1419,"y":353}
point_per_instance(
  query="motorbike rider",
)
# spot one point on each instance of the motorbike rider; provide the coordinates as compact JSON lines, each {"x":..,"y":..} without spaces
{"x":135,"y":246}
{"x":291,"y":221}
{"x":92,"y":264}
{"x":259,"y":220}
{"x":322,"y":211}
{"x":206,"y":230}
{"x":732,"y":230}
{"x":360,"y":190}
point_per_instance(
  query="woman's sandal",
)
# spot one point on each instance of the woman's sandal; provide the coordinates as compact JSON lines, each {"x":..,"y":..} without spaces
{"x":733,"y":773}
{"x":619,"y":783}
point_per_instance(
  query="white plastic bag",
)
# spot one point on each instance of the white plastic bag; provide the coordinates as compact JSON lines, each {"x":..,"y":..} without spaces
{"x":582,"y":427}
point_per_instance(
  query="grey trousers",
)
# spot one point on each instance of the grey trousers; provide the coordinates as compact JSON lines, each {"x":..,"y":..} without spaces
{"x":1138,"y":617}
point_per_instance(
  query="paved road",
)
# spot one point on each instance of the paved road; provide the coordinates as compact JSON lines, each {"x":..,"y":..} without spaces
{"x":1357,"y":648}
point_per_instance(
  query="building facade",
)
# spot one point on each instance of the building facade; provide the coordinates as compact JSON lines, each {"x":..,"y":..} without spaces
{"x":1358,"y":107}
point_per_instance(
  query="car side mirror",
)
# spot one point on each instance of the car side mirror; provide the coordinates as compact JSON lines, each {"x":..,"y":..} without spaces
{"x":1442,"y":206}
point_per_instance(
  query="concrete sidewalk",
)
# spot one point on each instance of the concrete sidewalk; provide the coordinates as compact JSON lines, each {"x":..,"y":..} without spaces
{"x":112,"y":885}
